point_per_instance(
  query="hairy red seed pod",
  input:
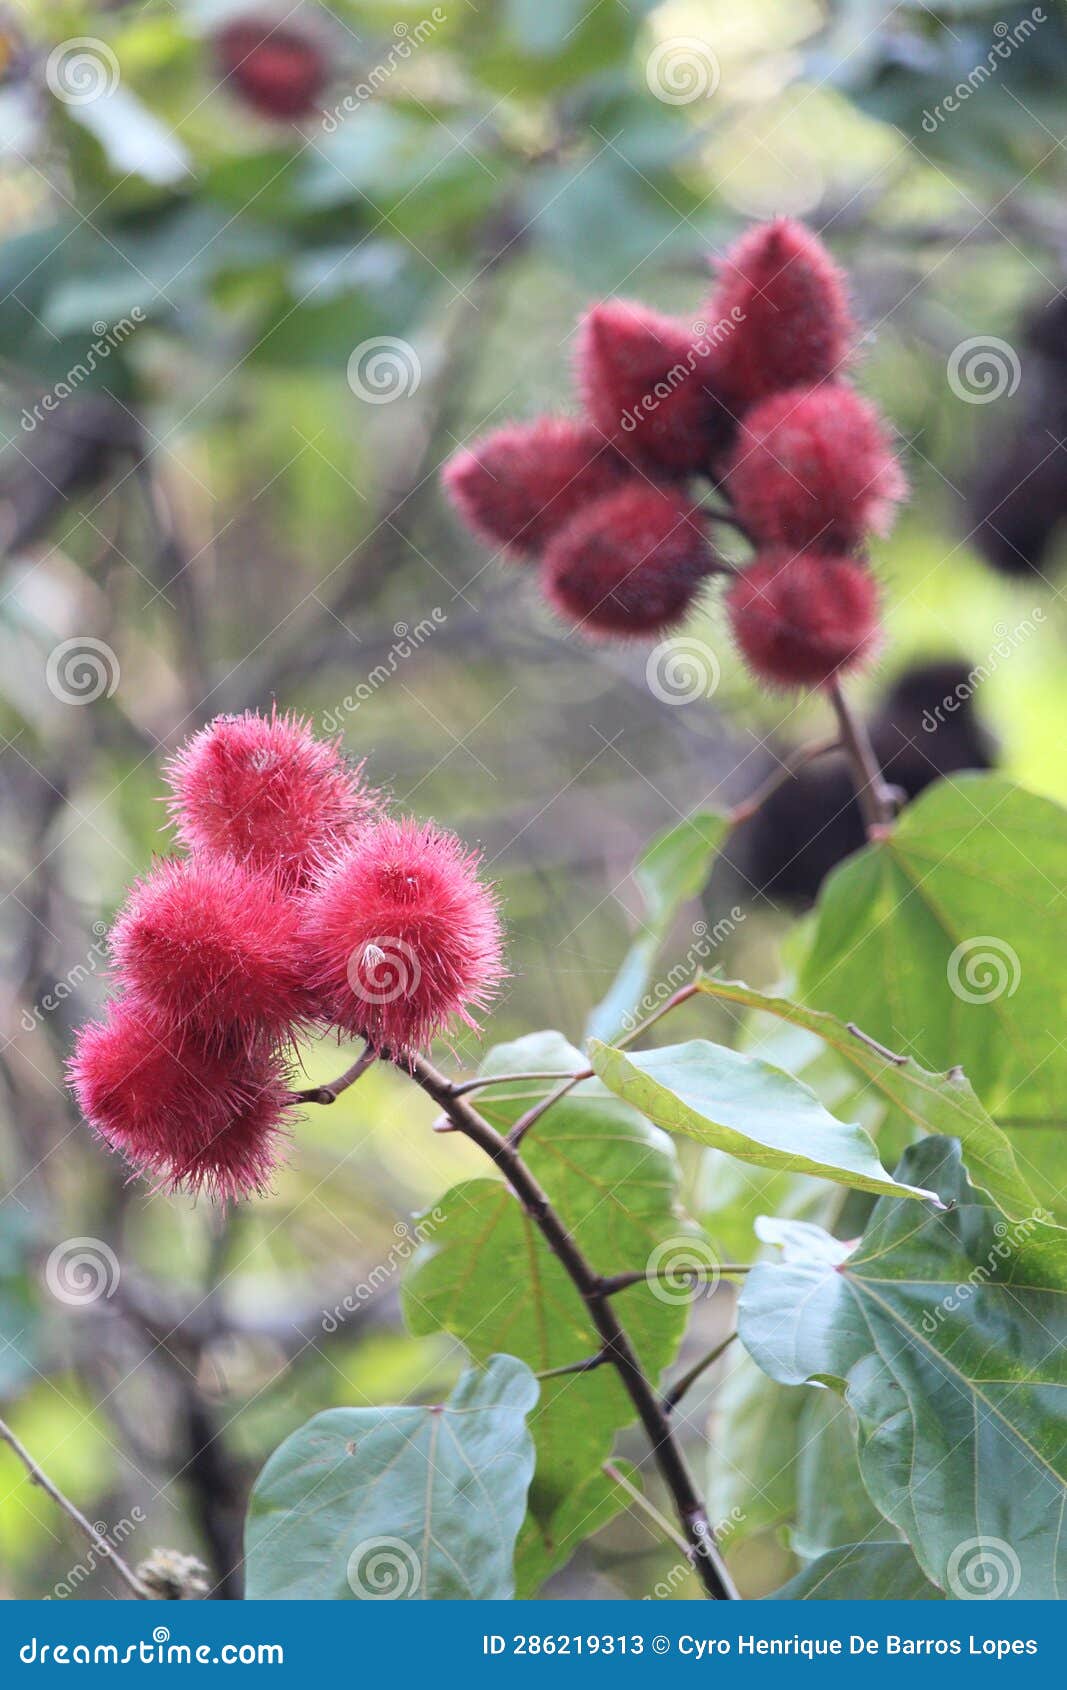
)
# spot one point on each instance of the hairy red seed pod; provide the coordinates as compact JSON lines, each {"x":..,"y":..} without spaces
{"x":210,"y":951}
{"x":517,"y":487}
{"x":648,"y":386}
{"x":265,"y":791}
{"x":814,"y":467}
{"x":279,"y":71}
{"x":192,"y":1118}
{"x":802,"y":618}
{"x":630,"y":565}
{"x":789,"y":303}
{"x":402,"y":936}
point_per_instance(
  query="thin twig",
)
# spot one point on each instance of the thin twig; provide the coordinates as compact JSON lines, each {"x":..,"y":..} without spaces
{"x":789,"y":769}
{"x":673,"y":1396}
{"x":873,"y":793}
{"x":536,"y":1110}
{"x":696,"y":1530}
{"x":330,"y":1093}
{"x":98,"y":1541}
{"x":480,"y":1081}
{"x":618,"y":1477}
{"x":588,"y":1364}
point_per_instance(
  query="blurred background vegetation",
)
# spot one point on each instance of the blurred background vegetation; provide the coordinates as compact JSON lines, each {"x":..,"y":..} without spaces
{"x":217,"y":505}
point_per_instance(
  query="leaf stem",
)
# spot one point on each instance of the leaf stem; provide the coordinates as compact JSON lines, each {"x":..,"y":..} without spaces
{"x":673,"y":1396}
{"x":480,"y":1081}
{"x":696,"y":1530}
{"x":790,"y":767}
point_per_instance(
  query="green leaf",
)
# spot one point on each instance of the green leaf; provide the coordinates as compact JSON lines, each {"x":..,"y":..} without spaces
{"x":832,"y":1506}
{"x":672,"y":870}
{"x":486,"y":1275}
{"x":946,"y":938}
{"x":738,"y":1103}
{"x":937,"y":1103}
{"x":406,"y":1503}
{"x":751,"y":1483}
{"x":873,"y":1572}
{"x":944,"y":1328}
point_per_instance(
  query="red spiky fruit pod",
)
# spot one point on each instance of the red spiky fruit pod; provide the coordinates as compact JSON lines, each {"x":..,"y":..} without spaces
{"x":630,"y":565}
{"x":648,"y":385}
{"x":516,"y":487}
{"x":210,"y":952}
{"x":788,"y":304}
{"x":402,"y":936}
{"x":190,"y":1117}
{"x":801,"y":619}
{"x":265,"y":791}
{"x":814,"y":468}
{"x":279,"y":71}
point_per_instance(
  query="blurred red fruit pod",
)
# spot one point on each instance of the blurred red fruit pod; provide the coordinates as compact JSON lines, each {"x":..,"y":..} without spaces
{"x":788,"y":302}
{"x":278,"y":70}
{"x":647,"y":382}
{"x":520,"y":485}
{"x":630,"y":565}
{"x":801,"y":619}
{"x":814,"y":467}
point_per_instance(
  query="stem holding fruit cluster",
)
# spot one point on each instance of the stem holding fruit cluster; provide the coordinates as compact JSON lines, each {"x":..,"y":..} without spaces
{"x":591,"y":1287}
{"x":595,"y":1290}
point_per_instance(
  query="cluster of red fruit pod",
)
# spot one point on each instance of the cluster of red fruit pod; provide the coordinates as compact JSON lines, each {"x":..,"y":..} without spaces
{"x":300,"y":905}
{"x":752,"y":401}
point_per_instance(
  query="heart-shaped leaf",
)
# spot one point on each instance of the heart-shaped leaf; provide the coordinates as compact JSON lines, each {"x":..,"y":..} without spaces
{"x":946,"y":1331}
{"x":398,"y":1503}
{"x":946,"y":939}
